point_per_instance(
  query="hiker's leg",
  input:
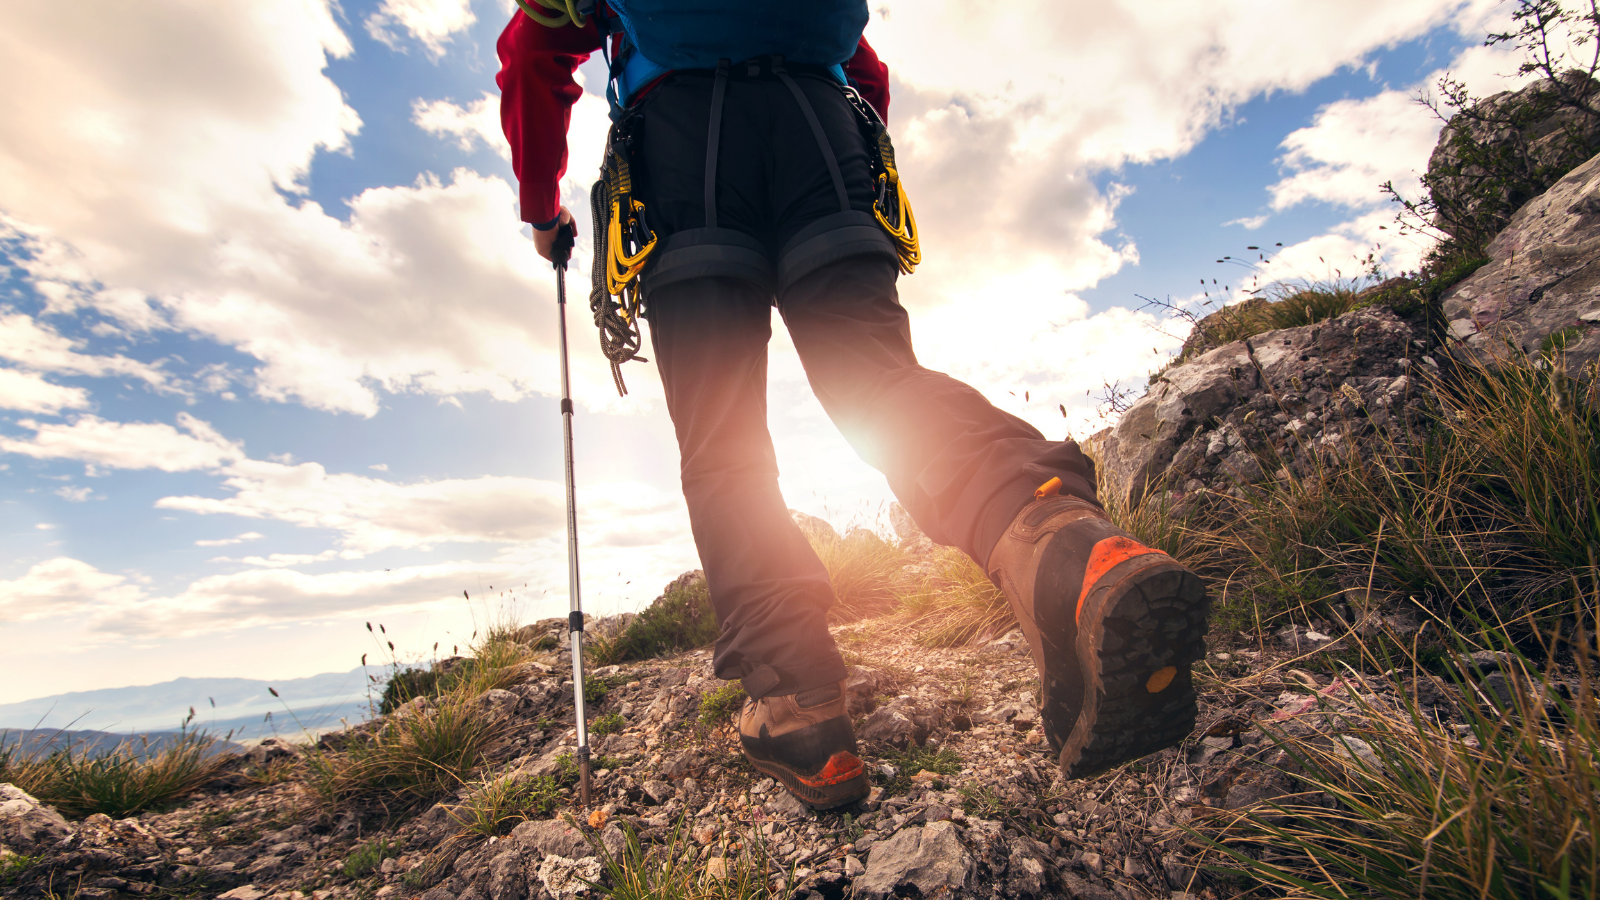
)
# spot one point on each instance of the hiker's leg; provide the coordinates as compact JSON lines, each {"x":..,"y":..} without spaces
{"x":709,"y":335}
{"x":961,"y":467}
{"x":770,"y":591}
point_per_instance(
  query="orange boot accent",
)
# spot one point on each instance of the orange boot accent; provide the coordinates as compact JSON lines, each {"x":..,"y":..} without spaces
{"x":1105,"y":556}
{"x":841,"y":767}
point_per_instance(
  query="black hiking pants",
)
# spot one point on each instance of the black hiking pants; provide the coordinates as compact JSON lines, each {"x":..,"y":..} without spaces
{"x":960,"y":467}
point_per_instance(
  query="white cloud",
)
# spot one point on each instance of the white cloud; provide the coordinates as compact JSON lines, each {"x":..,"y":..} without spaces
{"x":433,"y":23}
{"x":119,"y":445}
{"x":224,"y":542}
{"x":75,"y":495}
{"x":1250,"y":223}
{"x":477,"y":122}
{"x":1000,"y":159}
{"x":62,"y":586}
{"x":39,"y":348}
{"x":1354,"y":145}
{"x":29,"y":392}
{"x":284,"y":560}
{"x":267,"y":596}
{"x":370,"y":514}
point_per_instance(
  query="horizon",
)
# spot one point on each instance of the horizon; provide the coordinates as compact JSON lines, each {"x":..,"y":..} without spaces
{"x":277,"y":357}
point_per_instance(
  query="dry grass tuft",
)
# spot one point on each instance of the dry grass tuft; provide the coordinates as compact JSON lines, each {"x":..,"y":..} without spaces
{"x":952,"y":603}
{"x":123,"y":782}
{"x":1505,"y":807}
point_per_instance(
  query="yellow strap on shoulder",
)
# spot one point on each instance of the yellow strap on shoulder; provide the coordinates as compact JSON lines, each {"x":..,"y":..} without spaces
{"x":565,"y":11}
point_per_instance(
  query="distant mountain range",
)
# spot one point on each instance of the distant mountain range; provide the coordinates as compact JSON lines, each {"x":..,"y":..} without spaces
{"x":244,"y":706}
{"x":44,"y":741}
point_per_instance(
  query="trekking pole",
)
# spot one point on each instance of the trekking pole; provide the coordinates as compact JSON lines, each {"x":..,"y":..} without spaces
{"x":566,"y":235}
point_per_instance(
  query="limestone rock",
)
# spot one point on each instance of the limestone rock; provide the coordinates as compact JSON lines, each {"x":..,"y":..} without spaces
{"x":564,"y":877}
{"x":812,"y":526}
{"x":1542,"y":278}
{"x":658,"y":791}
{"x":1203,"y":422}
{"x":890,"y":726}
{"x":26,"y":825}
{"x":270,"y":751}
{"x":1524,"y":128}
{"x":1026,"y":872}
{"x":785,"y":805}
{"x":930,"y":859}
{"x":552,"y":837}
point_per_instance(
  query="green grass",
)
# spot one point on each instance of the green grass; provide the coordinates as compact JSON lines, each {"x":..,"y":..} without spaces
{"x":369,"y":856}
{"x":671,"y":870}
{"x":500,"y":805}
{"x":680,"y":619}
{"x":122,"y":782}
{"x":722,"y":704}
{"x":1280,"y":306}
{"x":912,"y":761}
{"x":597,"y":689}
{"x":611,"y":723}
{"x":1485,"y":511}
{"x":12,"y":865}
{"x":865,"y":570}
{"x":493,"y":664}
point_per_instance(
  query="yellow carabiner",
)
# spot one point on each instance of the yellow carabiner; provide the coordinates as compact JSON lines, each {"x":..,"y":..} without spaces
{"x":903,"y":231}
{"x":622,"y":269}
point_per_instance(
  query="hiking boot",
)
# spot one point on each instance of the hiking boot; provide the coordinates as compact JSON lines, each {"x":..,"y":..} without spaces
{"x":806,"y":742}
{"x":1113,"y":625}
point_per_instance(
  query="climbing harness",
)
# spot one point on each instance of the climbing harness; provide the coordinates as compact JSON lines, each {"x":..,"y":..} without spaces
{"x":623,"y":243}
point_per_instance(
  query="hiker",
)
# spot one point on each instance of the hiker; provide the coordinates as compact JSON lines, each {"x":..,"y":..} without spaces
{"x":744,"y":173}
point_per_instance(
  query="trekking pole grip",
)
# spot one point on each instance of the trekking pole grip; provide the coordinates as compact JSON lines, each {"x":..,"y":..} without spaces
{"x":561,"y":251}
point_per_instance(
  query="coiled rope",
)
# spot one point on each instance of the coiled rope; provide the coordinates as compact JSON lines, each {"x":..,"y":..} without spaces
{"x":565,"y":11}
{"x":619,"y":328}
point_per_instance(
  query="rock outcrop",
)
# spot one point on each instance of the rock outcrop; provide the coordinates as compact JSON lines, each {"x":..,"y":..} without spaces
{"x":1239,"y":414}
{"x":26,"y":825}
{"x":1507,"y":149}
{"x":1540,"y":290}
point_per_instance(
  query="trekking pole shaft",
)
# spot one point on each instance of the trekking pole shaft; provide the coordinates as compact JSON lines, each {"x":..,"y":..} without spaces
{"x":575,"y":616}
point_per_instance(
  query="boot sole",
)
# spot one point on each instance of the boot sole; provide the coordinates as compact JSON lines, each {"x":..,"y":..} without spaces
{"x":1142,"y":627}
{"x":851,"y":788}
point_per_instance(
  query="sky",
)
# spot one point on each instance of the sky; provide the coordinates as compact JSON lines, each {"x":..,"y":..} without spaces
{"x":277,"y":359}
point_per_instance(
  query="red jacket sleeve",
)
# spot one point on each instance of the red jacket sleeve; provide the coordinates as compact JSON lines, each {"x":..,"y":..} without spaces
{"x":871,"y":77}
{"x":537,"y":92}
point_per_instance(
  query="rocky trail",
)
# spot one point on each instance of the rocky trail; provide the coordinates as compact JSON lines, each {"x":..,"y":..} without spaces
{"x":967,"y":801}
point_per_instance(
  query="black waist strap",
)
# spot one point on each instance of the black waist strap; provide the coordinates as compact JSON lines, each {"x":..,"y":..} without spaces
{"x":719,"y":89}
{"x":817,"y":132}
